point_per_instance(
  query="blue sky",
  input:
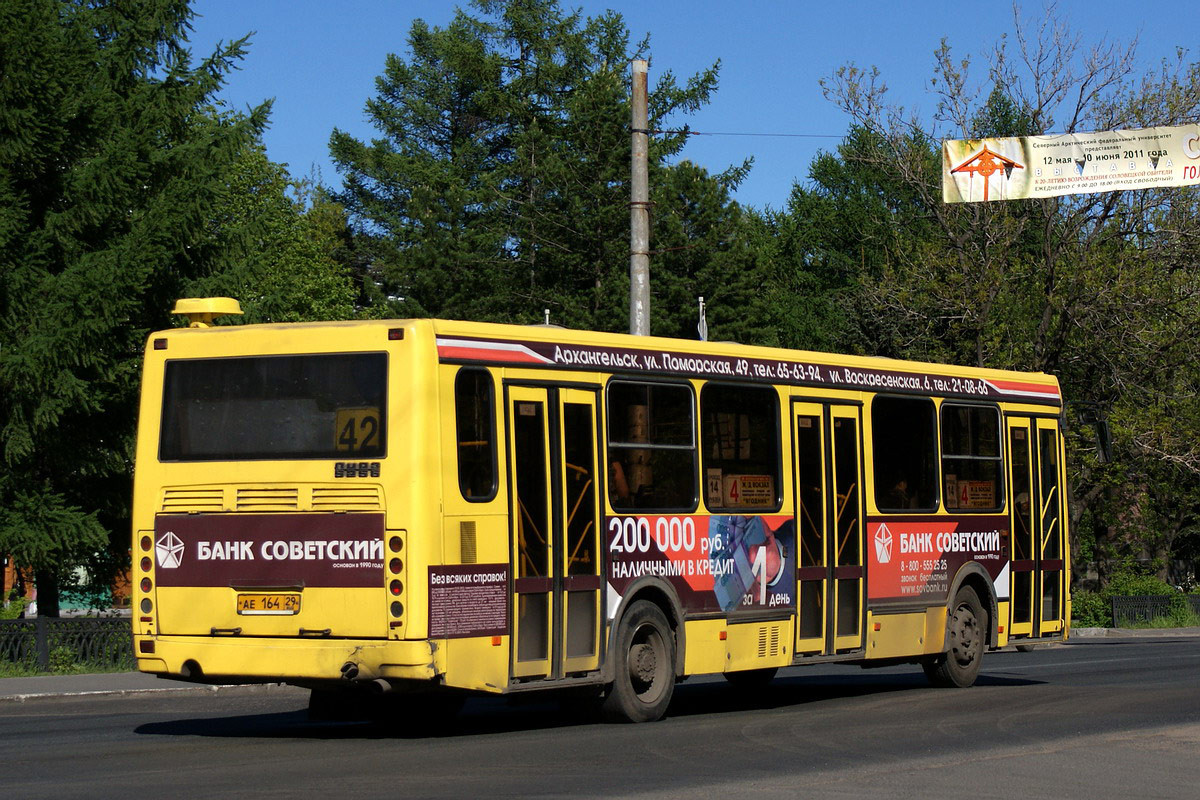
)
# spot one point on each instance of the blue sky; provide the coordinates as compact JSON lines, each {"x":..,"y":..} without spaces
{"x":319,"y":60}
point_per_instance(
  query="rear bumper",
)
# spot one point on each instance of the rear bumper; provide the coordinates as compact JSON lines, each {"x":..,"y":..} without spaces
{"x":206,"y":659}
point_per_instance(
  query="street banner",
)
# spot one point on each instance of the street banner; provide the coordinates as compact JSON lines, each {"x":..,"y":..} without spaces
{"x":981,"y":170}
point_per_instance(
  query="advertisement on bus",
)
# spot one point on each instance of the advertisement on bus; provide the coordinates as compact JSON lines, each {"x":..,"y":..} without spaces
{"x":726,"y":563}
{"x":914,"y":559}
{"x":342,"y":551}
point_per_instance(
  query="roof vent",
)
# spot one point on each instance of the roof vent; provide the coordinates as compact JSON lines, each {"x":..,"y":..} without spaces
{"x":201,"y":311}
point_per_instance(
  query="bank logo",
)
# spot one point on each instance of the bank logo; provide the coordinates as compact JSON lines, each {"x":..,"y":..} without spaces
{"x":169,"y":549}
{"x":883,"y":544}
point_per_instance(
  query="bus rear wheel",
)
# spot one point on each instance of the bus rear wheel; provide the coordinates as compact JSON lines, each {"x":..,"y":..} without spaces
{"x":966,"y":633}
{"x":644,"y":672}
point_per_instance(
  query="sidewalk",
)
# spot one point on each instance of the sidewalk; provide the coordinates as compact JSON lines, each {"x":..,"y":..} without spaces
{"x":1133,"y":633}
{"x":113,"y":683}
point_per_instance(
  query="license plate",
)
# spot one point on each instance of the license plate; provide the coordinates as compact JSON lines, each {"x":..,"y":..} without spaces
{"x":268,"y":604}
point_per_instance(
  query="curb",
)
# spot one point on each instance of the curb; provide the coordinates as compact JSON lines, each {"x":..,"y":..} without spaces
{"x":199,"y":689}
{"x":1134,"y":633}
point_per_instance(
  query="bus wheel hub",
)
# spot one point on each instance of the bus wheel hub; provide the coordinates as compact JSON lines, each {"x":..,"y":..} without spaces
{"x":643,"y":663}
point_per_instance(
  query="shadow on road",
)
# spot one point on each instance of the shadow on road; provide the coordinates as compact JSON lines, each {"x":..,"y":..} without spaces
{"x":486,"y":716}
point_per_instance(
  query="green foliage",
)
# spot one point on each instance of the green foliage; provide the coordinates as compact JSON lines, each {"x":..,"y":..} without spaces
{"x":62,"y":661}
{"x":13,"y":606}
{"x":1180,"y":617}
{"x":705,"y":250}
{"x":1128,"y":583}
{"x":498,"y":187}
{"x":1098,"y":289}
{"x":808,"y":284}
{"x":112,"y":166}
{"x":17,"y":669}
{"x":1094,"y":609}
{"x":278,"y":241}
{"x":1090,"y":610}
{"x":71,"y":654}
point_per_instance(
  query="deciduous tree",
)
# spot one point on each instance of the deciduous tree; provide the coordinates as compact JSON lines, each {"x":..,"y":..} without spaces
{"x":1099,"y":289}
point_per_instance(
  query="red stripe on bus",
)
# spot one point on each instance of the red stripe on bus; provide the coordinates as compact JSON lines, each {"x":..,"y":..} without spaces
{"x":487,"y":354}
{"x":1038,"y":388}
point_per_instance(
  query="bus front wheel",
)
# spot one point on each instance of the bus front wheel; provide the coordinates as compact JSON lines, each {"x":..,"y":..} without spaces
{"x":644,"y":672}
{"x":966,"y":634}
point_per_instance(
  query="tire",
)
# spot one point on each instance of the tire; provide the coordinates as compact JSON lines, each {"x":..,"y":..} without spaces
{"x":966,"y":636}
{"x":751,"y":680}
{"x":644,"y":666}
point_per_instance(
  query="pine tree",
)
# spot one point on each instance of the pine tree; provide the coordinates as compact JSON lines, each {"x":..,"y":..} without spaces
{"x":111,"y":164}
{"x":499,"y":185}
{"x":423,"y":191}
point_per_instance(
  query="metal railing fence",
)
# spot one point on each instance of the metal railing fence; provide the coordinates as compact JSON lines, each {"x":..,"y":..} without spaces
{"x":75,"y":642}
{"x":1142,"y":609}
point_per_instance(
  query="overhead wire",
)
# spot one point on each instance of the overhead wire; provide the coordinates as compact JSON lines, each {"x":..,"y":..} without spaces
{"x":687,"y":132}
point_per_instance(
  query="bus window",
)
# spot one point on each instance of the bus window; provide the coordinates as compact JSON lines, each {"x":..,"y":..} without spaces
{"x":651,"y":447}
{"x":971,"y":463}
{"x":271,"y":407}
{"x":1051,"y":534}
{"x":739,"y":426}
{"x":1022,"y":524}
{"x":476,"y":434}
{"x":1048,"y":461}
{"x":904,"y":434}
{"x":578,"y":454}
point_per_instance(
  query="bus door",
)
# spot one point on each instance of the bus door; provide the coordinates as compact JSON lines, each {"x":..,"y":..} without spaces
{"x":829,"y":522}
{"x":555,"y":531}
{"x":1037,"y":567}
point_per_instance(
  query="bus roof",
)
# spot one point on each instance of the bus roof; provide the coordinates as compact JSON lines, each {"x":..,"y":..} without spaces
{"x":553,"y":347}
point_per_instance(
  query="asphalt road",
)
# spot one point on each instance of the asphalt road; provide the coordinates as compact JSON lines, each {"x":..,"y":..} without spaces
{"x":1098,"y":718}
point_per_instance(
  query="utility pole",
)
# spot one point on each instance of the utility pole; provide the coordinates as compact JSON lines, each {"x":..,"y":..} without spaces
{"x":639,"y":209}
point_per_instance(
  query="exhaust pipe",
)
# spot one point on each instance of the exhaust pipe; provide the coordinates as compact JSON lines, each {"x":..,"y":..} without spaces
{"x":349,"y":670}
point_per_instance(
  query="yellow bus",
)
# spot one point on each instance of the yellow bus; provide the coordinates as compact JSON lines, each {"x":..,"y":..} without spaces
{"x":395,"y":513}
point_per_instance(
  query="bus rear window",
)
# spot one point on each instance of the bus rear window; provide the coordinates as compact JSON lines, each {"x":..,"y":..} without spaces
{"x":268,"y":407}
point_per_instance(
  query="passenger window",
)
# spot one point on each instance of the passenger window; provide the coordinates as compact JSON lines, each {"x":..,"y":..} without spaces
{"x":904,"y":437}
{"x":971,"y":463}
{"x":739,"y":429}
{"x":476,"y":434}
{"x":651,"y":447}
